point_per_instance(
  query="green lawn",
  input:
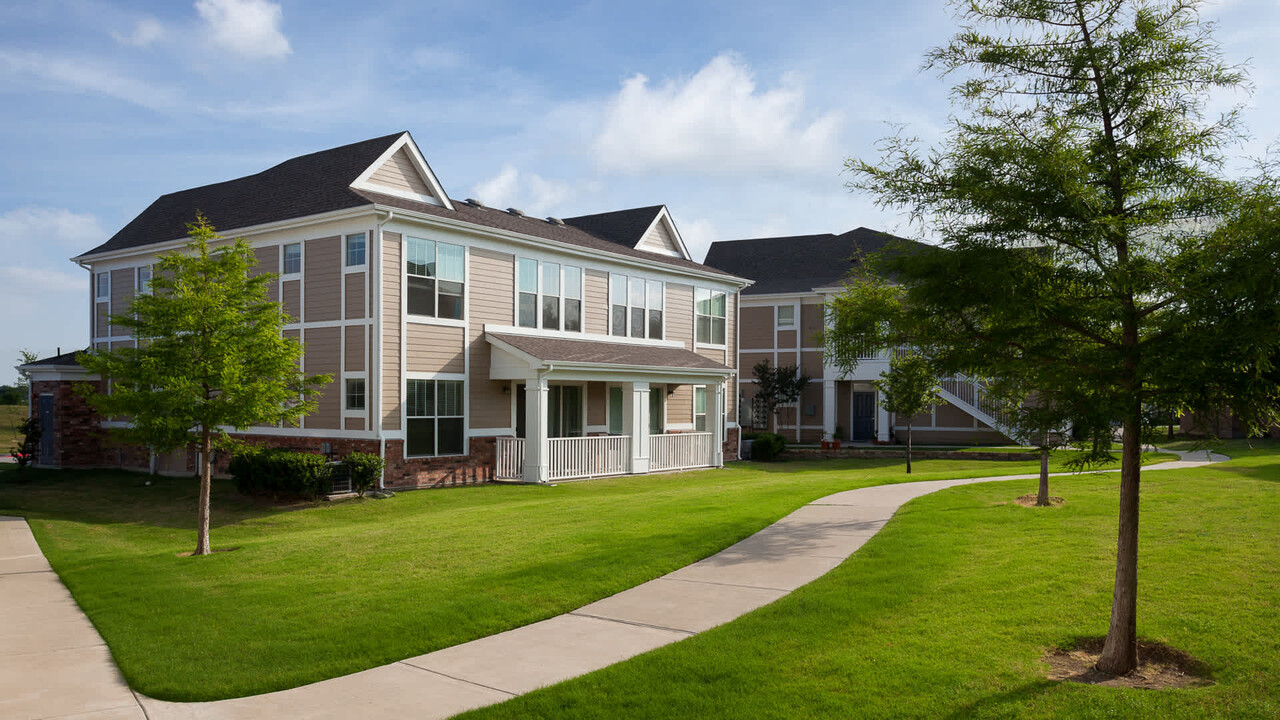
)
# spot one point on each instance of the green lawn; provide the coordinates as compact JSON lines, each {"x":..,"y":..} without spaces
{"x":10,"y":416}
{"x":948,"y":610}
{"x":325,"y":590}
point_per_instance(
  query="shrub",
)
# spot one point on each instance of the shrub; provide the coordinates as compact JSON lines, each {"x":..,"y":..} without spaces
{"x":768,"y":446}
{"x":365,"y":470}
{"x":280,"y":472}
{"x":28,"y":448}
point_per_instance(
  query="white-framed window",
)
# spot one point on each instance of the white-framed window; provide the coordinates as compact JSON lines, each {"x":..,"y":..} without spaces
{"x":786,"y":316}
{"x":355,"y":394}
{"x":635,"y":307}
{"x":700,"y":408}
{"x":103,"y":291}
{"x":355,"y":250}
{"x":292,"y":259}
{"x":435,"y":274}
{"x":548,"y":295}
{"x":144,"y":280}
{"x":709,"y":308}
{"x":435,"y":422}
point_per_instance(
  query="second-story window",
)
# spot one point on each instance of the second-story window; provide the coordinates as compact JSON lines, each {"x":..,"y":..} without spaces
{"x":292,"y":259}
{"x":635,"y":307}
{"x":355,"y":250}
{"x":548,"y":295}
{"x":786,"y":316}
{"x":103,"y":286}
{"x":710,"y":311}
{"x":435,"y":273}
{"x":144,"y":279}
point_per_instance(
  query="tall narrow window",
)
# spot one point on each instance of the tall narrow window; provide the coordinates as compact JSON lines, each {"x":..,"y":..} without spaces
{"x":699,"y":408}
{"x":452,"y":276}
{"x":636,"y":299}
{"x":550,"y":296}
{"x":355,"y":250}
{"x":572,"y":298}
{"x":615,"y":410}
{"x":527,"y":292}
{"x":710,"y":311}
{"x":435,"y":276}
{"x":104,"y":286}
{"x":292,"y":259}
{"x":655,"y":310}
{"x":618,"y":305}
{"x":144,"y":279}
{"x":434,"y":410}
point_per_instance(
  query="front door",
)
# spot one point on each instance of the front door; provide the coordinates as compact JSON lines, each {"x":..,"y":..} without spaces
{"x":46,"y":430}
{"x":864,"y":417}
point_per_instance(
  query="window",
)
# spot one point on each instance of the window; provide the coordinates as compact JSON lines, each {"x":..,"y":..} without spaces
{"x":615,"y":410}
{"x":292,"y":259}
{"x":710,"y":311}
{"x":144,"y":279}
{"x":435,"y":420}
{"x":786,"y":316}
{"x":104,"y":286}
{"x":635,"y":307}
{"x":355,"y":394}
{"x":564,"y":411}
{"x":548,"y":295}
{"x":355,"y":250}
{"x":700,"y":408}
{"x":435,"y":274}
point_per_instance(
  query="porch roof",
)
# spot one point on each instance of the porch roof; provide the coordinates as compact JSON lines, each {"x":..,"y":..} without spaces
{"x":541,"y":352}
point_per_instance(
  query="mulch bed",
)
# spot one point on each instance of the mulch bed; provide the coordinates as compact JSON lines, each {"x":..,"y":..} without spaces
{"x":1030,"y":501}
{"x":1159,"y":667}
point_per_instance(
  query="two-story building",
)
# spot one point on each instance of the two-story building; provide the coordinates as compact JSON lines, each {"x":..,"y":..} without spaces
{"x":465,"y":342}
{"x":782,"y":316}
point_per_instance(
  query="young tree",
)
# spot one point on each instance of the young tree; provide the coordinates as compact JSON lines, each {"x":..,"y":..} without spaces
{"x":779,"y":386}
{"x":28,"y":448}
{"x":210,"y":356}
{"x":1093,"y":248}
{"x":908,"y":388}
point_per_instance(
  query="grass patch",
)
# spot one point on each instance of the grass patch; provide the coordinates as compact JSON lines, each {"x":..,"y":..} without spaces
{"x":10,"y":416}
{"x":948,"y":613}
{"x":321,"y":590}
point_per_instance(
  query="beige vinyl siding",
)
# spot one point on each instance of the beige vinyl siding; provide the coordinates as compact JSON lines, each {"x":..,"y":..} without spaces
{"x":680,"y":405}
{"x":949,"y":415}
{"x":811,"y":364}
{"x":731,"y":357}
{"x":596,"y":302}
{"x":121,"y":295}
{"x":291,"y":293}
{"x":433,"y":349}
{"x":354,"y":353}
{"x":354,"y":423}
{"x":268,"y":262}
{"x":750,"y":360}
{"x":355,"y":296}
{"x":399,"y":172}
{"x":322,"y":273}
{"x":659,"y":239}
{"x":324,"y":348}
{"x":810,"y":325}
{"x":492,"y":301}
{"x":678,"y":315}
{"x":716,"y":354}
{"x":787,"y":339}
{"x":757,"y":327}
{"x":597,"y":403}
{"x":100,"y":325}
{"x":391,"y":377}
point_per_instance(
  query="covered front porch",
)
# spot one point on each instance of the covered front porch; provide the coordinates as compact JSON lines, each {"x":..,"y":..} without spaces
{"x":594,"y":409}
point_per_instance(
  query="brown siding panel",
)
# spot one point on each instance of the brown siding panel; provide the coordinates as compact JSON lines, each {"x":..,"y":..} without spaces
{"x":391,"y":331}
{"x":100,"y":324}
{"x":597,"y":403}
{"x":121,"y":295}
{"x":354,"y":354}
{"x":434,"y":349}
{"x":786,"y":338}
{"x":268,"y":262}
{"x":492,"y":303}
{"x":323,"y":275}
{"x":355,"y":296}
{"x":810,"y":325}
{"x":354,"y":423}
{"x":291,"y":291}
{"x":323,"y":356}
{"x":596,"y":302}
{"x":757,"y":327}
{"x":678,"y":311}
{"x":811,"y":364}
{"x":951,"y":416}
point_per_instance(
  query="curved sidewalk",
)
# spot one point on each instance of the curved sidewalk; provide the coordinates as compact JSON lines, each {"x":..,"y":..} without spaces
{"x":54,"y":664}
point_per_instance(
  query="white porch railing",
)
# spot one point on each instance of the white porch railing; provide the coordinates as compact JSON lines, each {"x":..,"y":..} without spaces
{"x":970,"y":395}
{"x":579,"y":457}
{"x":510,"y":459}
{"x":678,"y":451}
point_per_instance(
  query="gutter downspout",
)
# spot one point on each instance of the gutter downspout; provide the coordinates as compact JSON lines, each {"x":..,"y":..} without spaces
{"x":376,"y":370}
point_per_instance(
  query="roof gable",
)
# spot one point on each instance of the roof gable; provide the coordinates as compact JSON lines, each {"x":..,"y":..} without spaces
{"x":402,"y":171}
{"x":649,"y":229}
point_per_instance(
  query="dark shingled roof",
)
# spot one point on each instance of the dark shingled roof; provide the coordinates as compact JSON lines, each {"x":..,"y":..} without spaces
{"x":624,"y":227}
{"x":306,"y":185}
{"x":798,"y":263}
{"x":63,"y":359}
{"x":607,"y":353}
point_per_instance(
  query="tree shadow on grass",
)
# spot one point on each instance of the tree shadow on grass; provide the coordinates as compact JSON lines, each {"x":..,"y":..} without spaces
{"x":1008,"y":702}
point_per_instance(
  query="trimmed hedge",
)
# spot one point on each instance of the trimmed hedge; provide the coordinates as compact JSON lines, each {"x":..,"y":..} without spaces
{"x":365,"y":469}
{"x":282,"y":472}
{"x":767,"y":446}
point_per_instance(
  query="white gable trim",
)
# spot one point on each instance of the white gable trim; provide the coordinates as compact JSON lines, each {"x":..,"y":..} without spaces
{"x":419,"y":164}
{"x":665,"y":217}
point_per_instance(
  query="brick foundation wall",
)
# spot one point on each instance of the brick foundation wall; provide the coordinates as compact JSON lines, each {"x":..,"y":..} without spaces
{"x":78,"y":441}
{"x":730,"y":445}
{"x":409,"y":473}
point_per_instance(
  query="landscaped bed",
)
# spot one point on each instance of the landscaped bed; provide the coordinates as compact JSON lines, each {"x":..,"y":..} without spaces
{"x":316,"y":591}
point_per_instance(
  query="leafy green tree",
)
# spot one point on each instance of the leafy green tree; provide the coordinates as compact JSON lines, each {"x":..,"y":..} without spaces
{"x":1094,"y":249}
{"x":211,"y":356}
{"x":778,"y":386}
{"x":28,"y":448}
{"x":908,"y":388}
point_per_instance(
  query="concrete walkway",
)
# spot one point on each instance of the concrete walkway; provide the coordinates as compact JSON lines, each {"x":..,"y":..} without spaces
{"x":53,"y":663}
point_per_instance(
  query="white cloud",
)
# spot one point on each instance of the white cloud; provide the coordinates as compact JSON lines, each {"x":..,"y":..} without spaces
{"x":246,"y":27}
{"x":698,"y":234}
{"x":530,"y":193}
{"x":87,"y":76}
{"x":716,"y":122}
{"x":56,"y":229}
{"x":147,"y":31}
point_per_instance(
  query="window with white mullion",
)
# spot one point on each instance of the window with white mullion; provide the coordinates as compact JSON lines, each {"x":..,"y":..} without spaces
{"x":435,"y":274}
{"x":435,"y":421}
{"x":548,"y":295}
{"x":143,"y":285}
{"x":635,"y":307}
{"x":709,"y":309}
{"x":572,"y":298}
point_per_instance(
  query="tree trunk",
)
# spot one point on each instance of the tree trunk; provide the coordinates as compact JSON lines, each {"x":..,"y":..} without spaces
{"x":206,"y":471}
{"x":908,"y":447}
{"x":1120,"y":652}
{"x":1042,"y":497}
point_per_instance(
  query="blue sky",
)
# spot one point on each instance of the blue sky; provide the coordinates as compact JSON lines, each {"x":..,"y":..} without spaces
{"x":737,"y":115}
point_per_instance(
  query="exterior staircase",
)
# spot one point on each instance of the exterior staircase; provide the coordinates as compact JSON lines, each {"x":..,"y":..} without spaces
{"x":970,"y":396}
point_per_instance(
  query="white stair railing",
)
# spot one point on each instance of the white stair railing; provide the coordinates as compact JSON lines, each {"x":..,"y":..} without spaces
{"x":970,"y":395}
{"x":680,"y":451}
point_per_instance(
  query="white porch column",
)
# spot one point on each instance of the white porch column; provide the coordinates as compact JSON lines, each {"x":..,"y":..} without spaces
{"x":715,"y":422}
{"x":635,"y":409}
{"x":537,"y":461}
{"x":829,"y":409}
{"x":882,"y":421}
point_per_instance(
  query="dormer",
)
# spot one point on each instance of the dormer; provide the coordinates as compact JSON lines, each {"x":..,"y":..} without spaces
{"x":401,"y":171}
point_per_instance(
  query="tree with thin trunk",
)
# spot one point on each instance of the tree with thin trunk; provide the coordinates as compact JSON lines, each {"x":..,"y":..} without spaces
{"x":908,"y":388}
{"x":779,"y":386}
{"x":209,"y":357}
{"x":1092,"y":245}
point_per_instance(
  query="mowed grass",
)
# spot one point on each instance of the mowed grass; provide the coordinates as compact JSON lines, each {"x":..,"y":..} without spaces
{"x":947,"y":611}
{"x":10,"y":416}
{"x":328,"y":589}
